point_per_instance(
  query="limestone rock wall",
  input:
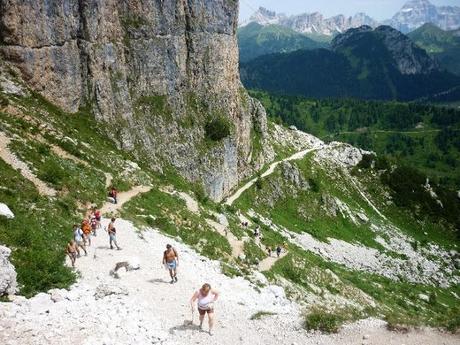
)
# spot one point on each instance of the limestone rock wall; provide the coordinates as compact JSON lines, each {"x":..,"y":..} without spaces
{"x":8,"y":285}
{"x":152,"y":71}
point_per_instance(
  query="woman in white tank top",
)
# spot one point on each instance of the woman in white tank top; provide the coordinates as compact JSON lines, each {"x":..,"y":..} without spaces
{"x":205,"y":298}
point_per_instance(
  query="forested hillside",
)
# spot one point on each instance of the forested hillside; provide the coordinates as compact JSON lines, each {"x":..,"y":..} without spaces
{"x":255,"y":40}
{"x":424,"y":136}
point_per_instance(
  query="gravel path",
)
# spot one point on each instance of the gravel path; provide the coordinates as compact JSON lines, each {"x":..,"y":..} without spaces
{"x":296,"y":156}
{"x":123,"y":197}
{"x":143,"y":308}
{"x":10,"y":158}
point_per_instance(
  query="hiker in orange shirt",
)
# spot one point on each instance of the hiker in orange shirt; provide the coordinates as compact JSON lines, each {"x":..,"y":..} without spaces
{"x":86,"y":228}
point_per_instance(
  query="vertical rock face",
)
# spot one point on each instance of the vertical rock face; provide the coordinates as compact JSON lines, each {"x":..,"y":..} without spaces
{"x":152,"y":71}
{"x":8,"y":285}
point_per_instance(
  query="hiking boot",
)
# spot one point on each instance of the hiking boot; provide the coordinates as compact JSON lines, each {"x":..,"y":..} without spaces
{"x":175,"y":278}
{"x":172,"y":281}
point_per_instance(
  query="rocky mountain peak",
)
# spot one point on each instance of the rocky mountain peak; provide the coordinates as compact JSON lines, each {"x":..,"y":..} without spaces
{"x":405,"y":55}
{"x":415,"y":13}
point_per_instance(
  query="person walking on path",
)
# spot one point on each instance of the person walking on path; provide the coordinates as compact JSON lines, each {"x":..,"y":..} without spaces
{"x":113,"y":194}
{"x":78,"y":238}
{"x":171,"y":261}
{"x":71,"y":251}
{"x":86,"y":228}
{"x":112,"y":231}
{"x":278,"y":251}
{"x":205,"y":298}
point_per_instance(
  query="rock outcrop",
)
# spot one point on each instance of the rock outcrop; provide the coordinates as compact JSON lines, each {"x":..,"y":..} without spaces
{"x":153,"y":73}
{"x":8,"y":285}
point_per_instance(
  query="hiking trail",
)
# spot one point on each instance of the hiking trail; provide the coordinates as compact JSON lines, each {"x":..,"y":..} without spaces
{"x":271,"y":169}
{"x":141,"y":307}
{"x":16,"y":163}
{"x":122,"y":198}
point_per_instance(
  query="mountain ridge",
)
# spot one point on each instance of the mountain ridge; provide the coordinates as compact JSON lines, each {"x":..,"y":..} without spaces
{"x":365,"y":63}
{"x":412,"y":15}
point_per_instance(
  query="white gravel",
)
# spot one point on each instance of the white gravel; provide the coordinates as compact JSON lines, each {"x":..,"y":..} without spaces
{"x":143,"y":308}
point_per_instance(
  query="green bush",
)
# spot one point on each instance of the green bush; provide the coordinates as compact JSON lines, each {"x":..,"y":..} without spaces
{"x":217,"y":128}
{"x":53,"y":173}
{"x":366,"y":161}
{"x":324,"y":321}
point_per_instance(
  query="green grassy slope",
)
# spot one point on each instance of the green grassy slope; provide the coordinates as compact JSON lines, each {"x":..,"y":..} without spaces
{"x":305,"y":273}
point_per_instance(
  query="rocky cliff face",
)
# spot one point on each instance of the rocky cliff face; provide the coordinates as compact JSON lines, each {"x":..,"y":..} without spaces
{"x":153,"y":72}
{"x":8,"y":285}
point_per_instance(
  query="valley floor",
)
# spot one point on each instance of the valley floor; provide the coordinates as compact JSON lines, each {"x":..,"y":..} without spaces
{"x":143,"y":308}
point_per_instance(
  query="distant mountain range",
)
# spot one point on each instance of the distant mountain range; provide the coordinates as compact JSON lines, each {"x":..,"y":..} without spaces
{"x":413,"y":15}
{"x":364,"y":63}
{"x":255,"y":40}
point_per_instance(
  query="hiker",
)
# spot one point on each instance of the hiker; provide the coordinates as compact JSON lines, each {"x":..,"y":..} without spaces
{"x":171,"y":261}
{"x":86,"y":228}
{"x":94,"y":224}
{"x":206,"y":298}
{"x":97,"y":216}
{"x":112,"y":234}
{"x":269,"y":251}
{"x":113,"y":194}
{"x":278,"y":250}
{"x":130,"y":265}
{"x":78,"y":238}
{"x":71,"y":251}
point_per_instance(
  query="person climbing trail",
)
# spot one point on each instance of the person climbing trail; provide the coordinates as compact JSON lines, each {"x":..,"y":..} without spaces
{"x":93,"y":222}
{"x":113,"y":194}
{"x":269,"y":252}
{"x":86,"y":228}
{"x":78,"y":238}
{"x":171,"y":261}
{"x":205,"y":298}
{"x":71,"y":251}
{"x":112,"y":231}
{"x":278,"y":251}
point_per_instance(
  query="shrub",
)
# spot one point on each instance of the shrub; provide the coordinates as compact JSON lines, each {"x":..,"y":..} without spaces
{"x":52,"y":172}
{"x":200,"y":194}
{"x":217,"y":128}
{"x":324,"y":321}
{"x":314,"y":185}
{"x":366,"y":161}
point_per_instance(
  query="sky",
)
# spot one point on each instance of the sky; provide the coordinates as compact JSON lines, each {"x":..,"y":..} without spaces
{"x":378,"y":9}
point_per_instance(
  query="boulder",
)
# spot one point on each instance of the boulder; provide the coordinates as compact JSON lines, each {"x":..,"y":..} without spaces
{"x":5,"y":211}
{"x":222,"y":219}
{"x":105,"y":290}
{"x":40,"y":303}
{"x":8,"y":284}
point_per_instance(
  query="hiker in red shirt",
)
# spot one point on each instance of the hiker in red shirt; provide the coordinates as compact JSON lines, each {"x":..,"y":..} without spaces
{"x":113,"y":194}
